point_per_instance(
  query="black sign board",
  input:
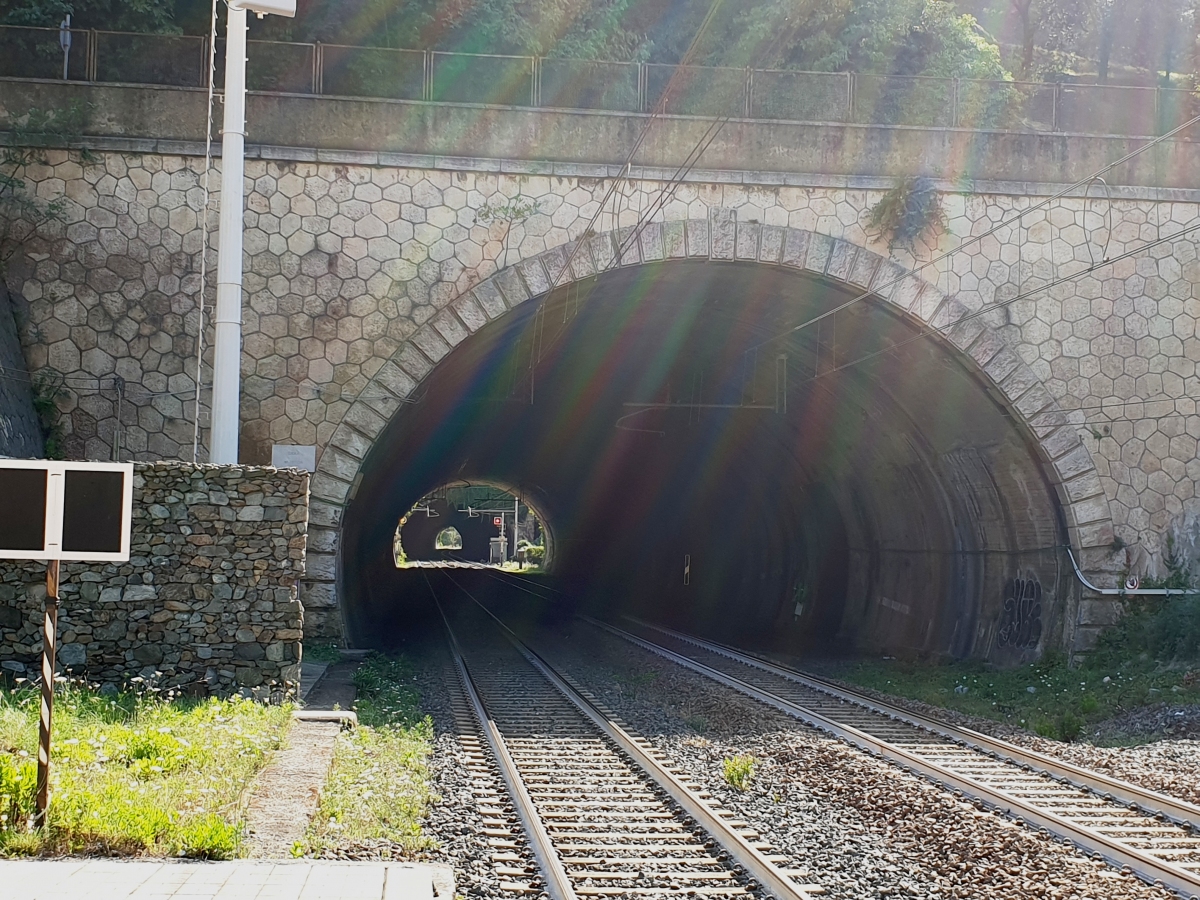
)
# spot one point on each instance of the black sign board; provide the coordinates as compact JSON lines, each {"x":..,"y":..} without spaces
{"x":65,"y":510}
{"x":55,"y":511}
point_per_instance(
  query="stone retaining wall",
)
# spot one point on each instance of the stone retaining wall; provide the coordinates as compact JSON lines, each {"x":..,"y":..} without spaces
{"x":207,"y":601}
{"x":363,"y":271}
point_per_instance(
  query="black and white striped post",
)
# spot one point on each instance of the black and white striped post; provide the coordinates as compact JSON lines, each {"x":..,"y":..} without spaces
{"x":62,"y":512}
{"x":49,"y":646}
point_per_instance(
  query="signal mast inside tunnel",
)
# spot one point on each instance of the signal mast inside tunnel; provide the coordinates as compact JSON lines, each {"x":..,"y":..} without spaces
{"x":473,"y":524}
{"x":697,"y":459}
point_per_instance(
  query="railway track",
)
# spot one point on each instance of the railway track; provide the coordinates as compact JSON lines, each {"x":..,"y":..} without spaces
{"x":1154,"y":836}
{"x":603,"y":816}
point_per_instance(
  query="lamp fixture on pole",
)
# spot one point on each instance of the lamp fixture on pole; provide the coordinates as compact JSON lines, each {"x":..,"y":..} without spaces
{"x":227,"y":355}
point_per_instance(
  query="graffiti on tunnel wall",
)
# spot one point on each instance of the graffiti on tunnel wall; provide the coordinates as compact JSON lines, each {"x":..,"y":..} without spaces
{"x":1021,"y":618}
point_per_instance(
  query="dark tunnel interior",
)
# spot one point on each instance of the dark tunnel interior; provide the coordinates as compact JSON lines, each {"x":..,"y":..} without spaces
{"x":697,"y":461}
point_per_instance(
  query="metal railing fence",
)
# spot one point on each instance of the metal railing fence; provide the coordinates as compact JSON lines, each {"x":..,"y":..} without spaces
{"x":554,"y":83}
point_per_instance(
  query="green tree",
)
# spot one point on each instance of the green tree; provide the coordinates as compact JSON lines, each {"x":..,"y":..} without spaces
{"x":1159,"y":36}
{"x":575,"y":28}
{"x":886,"y":37}
{"x":106,"y":15}
{"x":1054,"y":26}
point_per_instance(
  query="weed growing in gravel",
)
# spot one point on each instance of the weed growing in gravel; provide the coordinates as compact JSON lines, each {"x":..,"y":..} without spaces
{"x":378,"y":788}
{"x":1055,"y":700}
{"x":739,"y":770}
{"x":630,"y":684}
{"x":1148,"y":658}
{"x":136,"y":773}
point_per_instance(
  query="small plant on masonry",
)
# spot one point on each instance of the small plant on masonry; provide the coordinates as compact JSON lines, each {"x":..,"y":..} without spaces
{"x":910,"y":211}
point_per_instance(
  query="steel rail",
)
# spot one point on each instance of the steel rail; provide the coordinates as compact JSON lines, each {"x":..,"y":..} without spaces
{"x":770,"y":878}
{"x":558,"y":885}
{"x":1178,"y":811}
{"x":1148,"y":867}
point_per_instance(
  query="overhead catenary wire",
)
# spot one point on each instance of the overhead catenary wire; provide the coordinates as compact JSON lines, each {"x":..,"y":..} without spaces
{"x":662,"y":197}
{"x":667,"y":191}
{"x":212,"y":77}
{"x":539,"y":318}
{"x":1000,"y":304}
{"x":659,"y":108}
{"x":1098,"y":175}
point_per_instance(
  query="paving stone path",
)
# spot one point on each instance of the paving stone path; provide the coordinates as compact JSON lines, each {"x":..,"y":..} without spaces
{"x":103,"y":879}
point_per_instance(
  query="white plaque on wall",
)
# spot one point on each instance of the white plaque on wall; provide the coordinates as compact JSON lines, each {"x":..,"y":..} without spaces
{"x":294,"y":456}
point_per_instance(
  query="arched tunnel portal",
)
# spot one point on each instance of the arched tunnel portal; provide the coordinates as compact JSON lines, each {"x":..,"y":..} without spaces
{"x":699,"y":461}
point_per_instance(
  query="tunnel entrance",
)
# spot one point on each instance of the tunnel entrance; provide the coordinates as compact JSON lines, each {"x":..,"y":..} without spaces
{"x":702,"y":463}
{"x":480,"y":524}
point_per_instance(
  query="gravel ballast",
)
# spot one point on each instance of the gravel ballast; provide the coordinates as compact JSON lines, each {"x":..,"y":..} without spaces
{"x":454,"y":822}
{"x":860,"y":827}
{"x":1170,"y":765}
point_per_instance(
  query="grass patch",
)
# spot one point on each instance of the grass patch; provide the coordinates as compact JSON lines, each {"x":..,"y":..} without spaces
{"x":1063,"y":701}
{"x":378,"y":788}
{"x":1151,"y":656}
{"x":133,"y":774}
{"x":631,"y":683}
{"x":739,"y":771}
{"x":322,"y":653}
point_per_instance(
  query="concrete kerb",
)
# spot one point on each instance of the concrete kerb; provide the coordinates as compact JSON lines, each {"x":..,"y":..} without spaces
{"x":106,"y":879}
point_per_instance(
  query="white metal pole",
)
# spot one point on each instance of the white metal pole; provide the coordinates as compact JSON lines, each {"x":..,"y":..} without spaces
{"x":227,"y":361}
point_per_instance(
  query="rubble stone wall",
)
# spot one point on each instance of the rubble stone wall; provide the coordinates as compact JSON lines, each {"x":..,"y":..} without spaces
{"x":207,"y":601}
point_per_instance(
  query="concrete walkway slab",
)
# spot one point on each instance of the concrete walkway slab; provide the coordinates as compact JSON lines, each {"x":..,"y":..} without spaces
{"x":104,"y":879}
{"x":288,"y":790}
{"x":310,"y":674}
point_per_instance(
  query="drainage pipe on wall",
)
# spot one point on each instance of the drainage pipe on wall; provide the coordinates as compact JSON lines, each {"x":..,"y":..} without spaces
{"x":1122,"y":591}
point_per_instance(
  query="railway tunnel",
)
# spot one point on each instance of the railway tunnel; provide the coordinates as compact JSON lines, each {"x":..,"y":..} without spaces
{"x":698,"y":460}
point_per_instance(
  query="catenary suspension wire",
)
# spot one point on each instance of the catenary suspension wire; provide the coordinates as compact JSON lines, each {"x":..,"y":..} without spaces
{"x":662,"y":197}
{"x":659,"y":109}
{"x":975,"y":239}
{"x":667,"y":191}
{"x":1066,"y":279}
{"x":212,"y":77}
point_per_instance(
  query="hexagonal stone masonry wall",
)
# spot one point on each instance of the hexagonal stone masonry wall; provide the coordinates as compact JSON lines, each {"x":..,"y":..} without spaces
{"x":360,"y":278}
{"x":207,"y":601}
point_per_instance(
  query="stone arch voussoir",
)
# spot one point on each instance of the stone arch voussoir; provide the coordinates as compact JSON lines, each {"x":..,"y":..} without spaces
{"x":719,"y":237}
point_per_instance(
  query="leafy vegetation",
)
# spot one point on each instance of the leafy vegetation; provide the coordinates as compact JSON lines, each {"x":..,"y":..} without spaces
{"x":634,"y":682}
{"x":534,"y":554}
{"x":1151,"y":656}
{"x":378,"y":788}
{"x":111,"y":15}
{"x":963,"y":38}
{"x":507,"y":213}
{"x":910,"y":211}
{"x":1065,"y":36}
{"x":739,"y":771}
{"x":133,"y":774}
{"x":326,"y":652}
{"x":47,"y":387}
